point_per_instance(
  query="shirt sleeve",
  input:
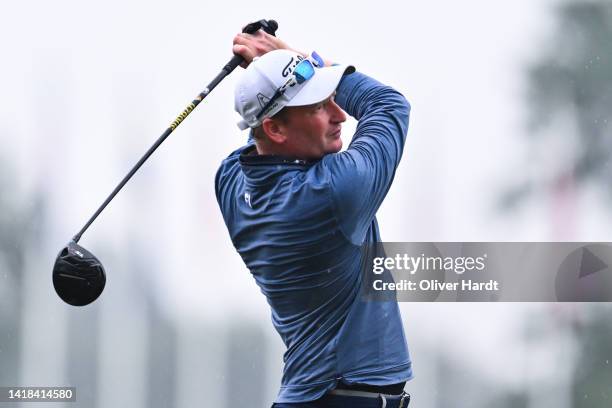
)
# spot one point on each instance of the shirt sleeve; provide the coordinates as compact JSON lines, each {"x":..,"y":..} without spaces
{"x":361,"y":176}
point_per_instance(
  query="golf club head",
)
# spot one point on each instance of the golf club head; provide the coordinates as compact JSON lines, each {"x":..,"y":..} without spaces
{"x":78,"y":276}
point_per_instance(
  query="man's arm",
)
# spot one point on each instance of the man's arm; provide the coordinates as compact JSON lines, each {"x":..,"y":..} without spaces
{"x":361,"y":176}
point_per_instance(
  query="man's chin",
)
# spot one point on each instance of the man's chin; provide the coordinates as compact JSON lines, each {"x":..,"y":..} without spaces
{"x":335,"y":146}
{"x":338,"y":145}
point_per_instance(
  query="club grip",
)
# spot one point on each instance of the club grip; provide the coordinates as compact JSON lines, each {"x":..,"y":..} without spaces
{"x":269,"y":26}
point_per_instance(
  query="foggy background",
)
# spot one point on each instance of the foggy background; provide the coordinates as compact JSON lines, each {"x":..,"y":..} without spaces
{"x":509,"y":141}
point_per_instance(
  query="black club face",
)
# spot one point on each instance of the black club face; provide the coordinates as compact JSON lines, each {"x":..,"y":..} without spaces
{"x":78,"y":276}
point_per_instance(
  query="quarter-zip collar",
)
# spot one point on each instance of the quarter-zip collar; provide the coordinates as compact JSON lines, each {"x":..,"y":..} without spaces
{"x":262,"y":169}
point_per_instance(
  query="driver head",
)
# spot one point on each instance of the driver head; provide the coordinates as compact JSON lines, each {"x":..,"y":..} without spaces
{"x":78,"y":276}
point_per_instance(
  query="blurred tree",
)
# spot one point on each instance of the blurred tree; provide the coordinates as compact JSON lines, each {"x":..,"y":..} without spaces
{"x":20,"y":225}
{"x":574,"y":75}
{"x":592,"y":386}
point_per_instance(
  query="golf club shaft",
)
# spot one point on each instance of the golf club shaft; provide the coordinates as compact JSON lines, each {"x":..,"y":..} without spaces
{"x":270,"y":27}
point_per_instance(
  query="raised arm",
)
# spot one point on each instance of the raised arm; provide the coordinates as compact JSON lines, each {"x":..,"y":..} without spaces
{"x":361,"y":176}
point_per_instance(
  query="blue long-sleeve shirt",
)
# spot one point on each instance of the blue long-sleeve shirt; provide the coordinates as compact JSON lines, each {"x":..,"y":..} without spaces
{"x":299,"y":227}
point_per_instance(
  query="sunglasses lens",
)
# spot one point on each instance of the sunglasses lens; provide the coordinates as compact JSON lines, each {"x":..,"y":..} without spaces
{"x":317,"y":58}
{"x":303,"y":71}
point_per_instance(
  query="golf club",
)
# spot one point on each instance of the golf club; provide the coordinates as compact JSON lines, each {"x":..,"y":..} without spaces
{"x":78,"y":276}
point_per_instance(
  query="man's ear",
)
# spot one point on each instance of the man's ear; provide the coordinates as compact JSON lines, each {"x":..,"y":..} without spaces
{"x":275,"y":130}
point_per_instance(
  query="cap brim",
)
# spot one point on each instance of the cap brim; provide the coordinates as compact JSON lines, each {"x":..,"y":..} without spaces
{"x":321,"y":85}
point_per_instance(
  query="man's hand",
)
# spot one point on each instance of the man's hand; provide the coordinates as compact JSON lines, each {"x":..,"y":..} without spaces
{"x":254,"y":45}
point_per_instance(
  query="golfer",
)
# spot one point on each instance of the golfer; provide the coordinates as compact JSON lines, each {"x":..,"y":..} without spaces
{"x":298,"y":212}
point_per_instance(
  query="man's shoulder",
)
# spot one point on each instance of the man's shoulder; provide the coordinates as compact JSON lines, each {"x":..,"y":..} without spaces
{"x":232,"y":161}
{"x":228,"y":171}
{"x":346,"y":167}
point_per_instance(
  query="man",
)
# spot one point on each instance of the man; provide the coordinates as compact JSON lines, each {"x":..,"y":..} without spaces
{"x":298,"y":211}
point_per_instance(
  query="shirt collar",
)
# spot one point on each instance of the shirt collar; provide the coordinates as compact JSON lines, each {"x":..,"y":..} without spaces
{"x":249,"y":157}
{"x":266,"y":169}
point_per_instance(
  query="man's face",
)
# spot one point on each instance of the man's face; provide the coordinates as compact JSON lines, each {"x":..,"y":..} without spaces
{"x":313,"y":131}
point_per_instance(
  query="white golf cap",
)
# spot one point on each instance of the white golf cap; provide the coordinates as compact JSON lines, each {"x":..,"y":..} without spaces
{"x":266,"y":74}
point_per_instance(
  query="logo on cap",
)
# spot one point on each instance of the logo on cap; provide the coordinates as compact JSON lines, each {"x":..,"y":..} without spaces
{"x":263,"y":99}
{"x":291,"y":66}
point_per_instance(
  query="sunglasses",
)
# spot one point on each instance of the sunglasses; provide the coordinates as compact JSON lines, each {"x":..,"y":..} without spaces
{"x":303,"y":71}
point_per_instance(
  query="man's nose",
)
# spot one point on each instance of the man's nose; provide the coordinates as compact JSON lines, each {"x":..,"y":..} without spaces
{"x":337,"y":115}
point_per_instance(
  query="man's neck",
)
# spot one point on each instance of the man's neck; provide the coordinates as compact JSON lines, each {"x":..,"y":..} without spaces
{"x":264,"y":149}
